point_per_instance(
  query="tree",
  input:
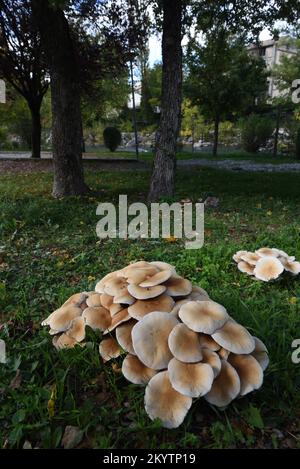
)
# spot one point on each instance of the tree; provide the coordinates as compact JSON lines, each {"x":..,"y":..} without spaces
{"x":223,"y":78}
{"x":22,"y":61}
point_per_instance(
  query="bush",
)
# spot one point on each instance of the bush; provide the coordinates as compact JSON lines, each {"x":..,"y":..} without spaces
{"x":256,"y":131}
{"x":298,"y":144}
{"x":112,"y":138}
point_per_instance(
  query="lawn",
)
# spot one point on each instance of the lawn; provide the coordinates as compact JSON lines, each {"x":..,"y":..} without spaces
{"x":49,"y":250}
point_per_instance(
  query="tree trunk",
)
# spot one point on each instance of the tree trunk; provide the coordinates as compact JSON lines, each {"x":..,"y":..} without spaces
{"x":36,"y":132}
{"x":163,"y":175}
{"x":65,"y":94}
{"x":276,"y":135}
{"x":216,"y":135}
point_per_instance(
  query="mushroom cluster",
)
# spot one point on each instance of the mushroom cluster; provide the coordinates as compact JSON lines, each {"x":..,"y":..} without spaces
{"x":178,"y":342}
{"x":266,"y":264}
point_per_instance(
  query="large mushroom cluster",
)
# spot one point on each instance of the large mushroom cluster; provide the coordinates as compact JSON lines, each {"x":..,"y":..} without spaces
{"x":266,"y":264}
{"x":178,"y":342}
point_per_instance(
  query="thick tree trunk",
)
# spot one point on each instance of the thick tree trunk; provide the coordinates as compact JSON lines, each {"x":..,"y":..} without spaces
{"x":216,"y":136}
{"x":65,"y":93}
{"x":36,"y":132}
{"x":163,"y":175}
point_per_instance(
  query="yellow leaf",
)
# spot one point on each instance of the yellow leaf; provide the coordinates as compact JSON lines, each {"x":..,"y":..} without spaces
{"x":91,"y":278}
{"x":52,"y":401}
{"x":293,"y":300}
{"x":171,"y":239}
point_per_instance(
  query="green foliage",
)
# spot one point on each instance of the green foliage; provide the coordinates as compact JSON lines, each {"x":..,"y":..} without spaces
{"x":112,"y":138}
{"x":256,"y":131}
{"x":297,"y":149}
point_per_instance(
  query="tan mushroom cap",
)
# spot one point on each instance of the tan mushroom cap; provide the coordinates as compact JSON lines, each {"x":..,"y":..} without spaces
{"x":106,"y":300}
{"x":163,"y":266}
{"x":190,"y":379}
{"x":203,"y":316}
{"x":115,"y":308}
{"x":268,"y":268}
{"x":109,"y":348}
{"x":281,"y":253}
{"x":77,"y":329}
{"x":246,"y":268}
{"x":226,"y":386}
{"x":116,"y":286}
{"x":118,"y":319}
{"x":97,"y":318}
{"x":237,"y":256}
{"x":175,"y":310}
{"x":64,"y":341}
{"x":135,"y":371}
{"x":150,"y":339}
{"x":141,"y":293}
{"x":206,"y":341}
{"x":164,"y":403}
{"x":249,"y":371}
{"x":212,"y":359}
{"x":235,"y":338}
{"x":94,"y":300}
{"x":61,"y":319}
{"x":223,"y":353}
{"x":291,"y":266}
{"x":178,"y":286}
{"x":184,"y":344}
{"x":157,"y":279}
{"x":76,"y":300}
{"x":267,"y":252}
{"x":260,"y":353}
{"x":250,"y":257}
{"x":123,"y":335}
{"x":140,"y":308}
{"x":99,"y":288}
{"x":125,"y":299}
{"x":198,"y":294}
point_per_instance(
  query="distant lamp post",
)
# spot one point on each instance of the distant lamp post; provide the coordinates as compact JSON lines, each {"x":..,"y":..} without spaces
{"x":132,"y":105}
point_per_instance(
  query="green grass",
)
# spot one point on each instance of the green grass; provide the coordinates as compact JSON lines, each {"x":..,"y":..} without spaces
{"x":49,"y":250}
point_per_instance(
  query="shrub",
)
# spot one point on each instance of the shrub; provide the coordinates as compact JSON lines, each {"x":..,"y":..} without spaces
{"x":298,"y":144}
{"x":256,"y":131}
{"x":112,"y":138}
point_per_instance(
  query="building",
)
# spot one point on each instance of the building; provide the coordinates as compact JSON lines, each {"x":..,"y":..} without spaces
{"x":272,"y":51}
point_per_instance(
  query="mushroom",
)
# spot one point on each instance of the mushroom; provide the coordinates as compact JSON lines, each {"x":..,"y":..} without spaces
{"x":235,"y":338}
{"x":123,"y":335}
{"x":184,"y":344}
{"x":246,"y":268}
{"x":157,"y":279}
{"x":267,"y":252}
{"x":64,"y":341}
{"x":206,"y":341}
{"x":163,"y":266}
{"x":198,"y":294}
{"x":94,"y":300}
{"x":280,"y":253}
{"x":117,"y":319}
{"x":141,"y":293}
{"x":101,"y":284}
{"x":61,"y":319}
{"x":116,"y":286}
{"x":97,"y":318}
{"x":223,"y":353}
{"x":115,"y":308}
{"x":249,"y":371}
{"x":190,"y":379}
{"x":291,"y":266}
{"x":175,"y":310}
{"x":140,"y":308}
{"x":203,"y":316}
{"x":135,"y":371}
{"x":178,"y":286}
{"x":77,"y":329}
{"x":268,"y":268}
{"x":125,"y":298}
{"x":225,"y":387}
{"x":162,"y":401}
{"x":109,"y":348}
{"x":250,"y":258}
{"x":150,"y":339}
{"x":106,"y":300}
{"x":238,"y":256}
{"x":260,"y":353}
{"x":212,"y":359}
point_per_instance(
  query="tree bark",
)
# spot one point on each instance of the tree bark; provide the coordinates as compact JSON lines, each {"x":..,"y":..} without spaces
{"x":36,"y":132}
{"x":216,"y":135}
{"x":163,"y":173}
{"x":65,"y":94}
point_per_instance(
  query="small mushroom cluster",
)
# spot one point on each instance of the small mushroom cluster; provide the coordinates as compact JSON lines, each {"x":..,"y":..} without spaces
{"x":266,"y":264}
{"x":179,"y":343}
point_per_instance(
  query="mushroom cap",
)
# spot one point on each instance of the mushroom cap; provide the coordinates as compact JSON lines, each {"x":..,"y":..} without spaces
{"x":223,"y":353}
{"x":246,"y":268}
{"x":150,"y":339}
{"x":106,"y":300}
{"x":178,"y":286}
{"x":291,"y":266}
{"x":64,"y":341}
{"x":212,"y":359}
{"x":268,"y":268}
{"x":198,"y":294}
{"x":135,"y":371}
{"x":61,"y":319}
{"x":76,"y":300}
{"x":140,"y":308}
{"x":125,"y":298}
{"x":260,"y":353}
{"x":77,"y":329}
{"x":94,"y":300}
{"x":115,"y":308}
{"x":123,"y":335}
{"x":267,"y":252}
{"x":226,"y":386}
{"x":157,"y":279}
{"x":141,"y":293}
{"x":203,"y":316}
{"x":177,"y":305}
{"x":235,"y":338}
{"x":249,"y":371}
{"x":206,"y":341}
{"x":99,"y":288}
{"x":109,"y":348}
{"x":97,"y":318}
{"x":280,"y":253}
{"x":237,"y":256}
{"x":190,"y":379}
{"x":250,"y":257}
{"x":163,"y":266}
{"x":116,"y":286}
{"x":117,"y":319}
{"x":162,"y":401}
{"x":184,"y":344}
